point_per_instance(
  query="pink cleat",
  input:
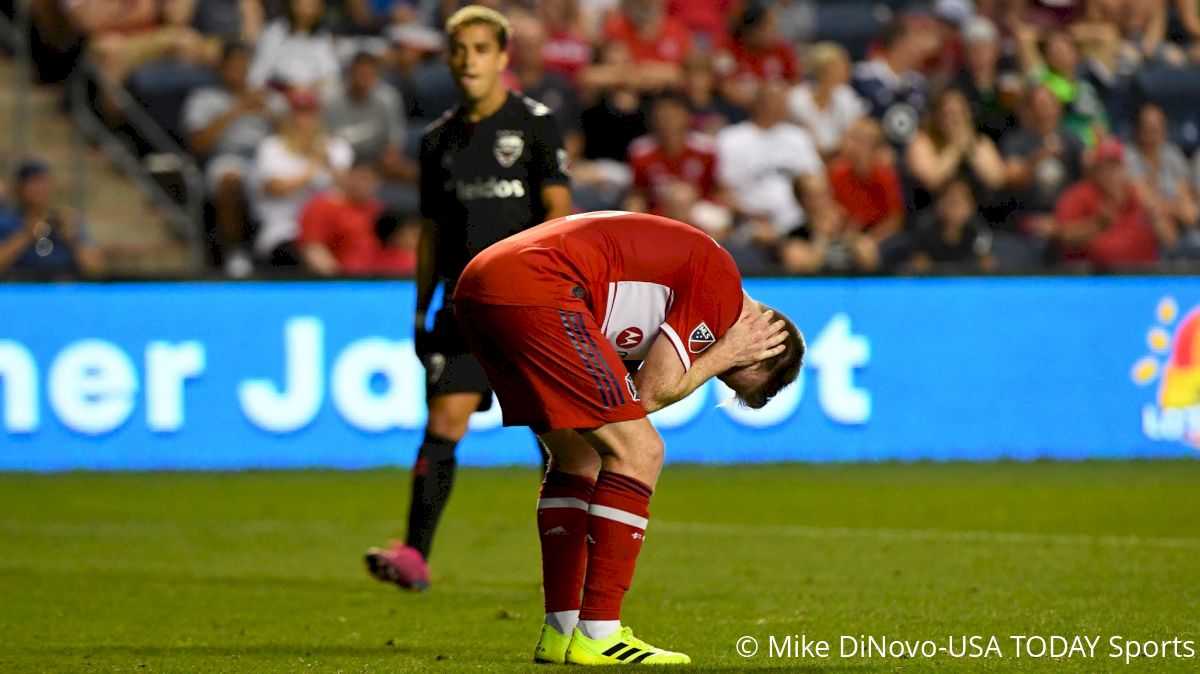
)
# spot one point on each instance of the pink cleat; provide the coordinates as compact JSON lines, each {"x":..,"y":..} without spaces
{"x":399,"y":564}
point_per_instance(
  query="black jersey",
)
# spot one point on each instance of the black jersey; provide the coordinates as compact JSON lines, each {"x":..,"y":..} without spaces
{"x":482,"y":182}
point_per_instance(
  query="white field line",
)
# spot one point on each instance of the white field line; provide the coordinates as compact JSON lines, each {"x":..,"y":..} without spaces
{"x":917,"y":535}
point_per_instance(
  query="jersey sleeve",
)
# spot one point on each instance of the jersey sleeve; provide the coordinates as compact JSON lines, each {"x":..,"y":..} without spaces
{"x":549,"y":156}
{"x":704,"y":312}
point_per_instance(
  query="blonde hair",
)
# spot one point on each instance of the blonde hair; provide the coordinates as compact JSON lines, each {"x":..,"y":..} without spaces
{"x":472,"y":15}
{"x":825,"y":54}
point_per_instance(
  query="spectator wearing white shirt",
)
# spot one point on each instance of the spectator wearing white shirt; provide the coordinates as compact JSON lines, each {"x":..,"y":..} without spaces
{"x":767,"y":164}
{"x":225,"y":125}
{"x":828,"y":105}
{"x":289,"y":168}
{"x":297,"y":51}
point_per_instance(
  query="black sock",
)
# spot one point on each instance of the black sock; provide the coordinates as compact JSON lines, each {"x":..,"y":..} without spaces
{"x":432,"y":478}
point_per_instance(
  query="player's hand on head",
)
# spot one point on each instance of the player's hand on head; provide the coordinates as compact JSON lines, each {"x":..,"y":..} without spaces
{"x":754,"y":338}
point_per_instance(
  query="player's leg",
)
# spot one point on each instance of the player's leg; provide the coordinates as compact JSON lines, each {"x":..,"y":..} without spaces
{"x":562,"y":521}
{"x":631,"y":455}
{"x":456,"y":387}
{"x":436,"y":464}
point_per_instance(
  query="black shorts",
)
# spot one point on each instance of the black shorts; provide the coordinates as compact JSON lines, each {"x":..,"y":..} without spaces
{"x":452,"y":368}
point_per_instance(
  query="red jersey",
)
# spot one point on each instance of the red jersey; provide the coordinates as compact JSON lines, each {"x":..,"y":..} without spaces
{"x":1127,"y":240}
{"x":653,"y":167}
{"x":776,"y":63}
{"x":635,"y":274}
{"x":566,"y":54}
{"x":672,"y":44}
{"x":347,"y":229}
{"x":870,"y":198}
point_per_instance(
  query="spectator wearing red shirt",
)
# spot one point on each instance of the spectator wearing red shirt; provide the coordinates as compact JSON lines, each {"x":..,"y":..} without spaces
{"x":566,"y":51}
{"x":670,"y":153}
{"x":651,"y":35}
{"x":756,"y":53}
{"x":866,"y":183}
{"x":708,"y":20}
{"x":1102,"y":219}
{"x":337,"y":227}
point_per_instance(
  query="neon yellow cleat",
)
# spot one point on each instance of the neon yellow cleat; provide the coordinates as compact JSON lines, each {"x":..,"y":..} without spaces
{"x":621,"y":648}
{"x":551,"y":647}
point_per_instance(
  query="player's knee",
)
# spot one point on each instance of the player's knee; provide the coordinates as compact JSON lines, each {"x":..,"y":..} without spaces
{"x":645,"y":455}
{"x":449,"y":424}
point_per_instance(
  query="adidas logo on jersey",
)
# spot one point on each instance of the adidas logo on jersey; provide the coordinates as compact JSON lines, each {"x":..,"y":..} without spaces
{"x":492,"y":188}
{"x":556,"y":531}
{"x":700,"y":339}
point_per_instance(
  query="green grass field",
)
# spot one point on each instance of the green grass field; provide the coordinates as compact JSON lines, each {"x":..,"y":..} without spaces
{"x":261,"y":572}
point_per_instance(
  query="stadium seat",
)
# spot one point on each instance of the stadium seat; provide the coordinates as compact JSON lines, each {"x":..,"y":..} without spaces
{"x":163,"y":87}
{"x":852,"y":23}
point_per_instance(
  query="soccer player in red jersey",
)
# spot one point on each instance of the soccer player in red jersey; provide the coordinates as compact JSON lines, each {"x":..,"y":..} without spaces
{"x":552,"y":313}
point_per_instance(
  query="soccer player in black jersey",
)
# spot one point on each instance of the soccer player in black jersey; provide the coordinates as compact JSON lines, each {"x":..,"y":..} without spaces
{"x":490,"y":167}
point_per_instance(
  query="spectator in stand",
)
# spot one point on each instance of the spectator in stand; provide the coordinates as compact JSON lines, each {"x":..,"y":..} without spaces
{"x":38,"y":239}
{"x":952,"y":234}
{"x":418,"y":70}
{"x":1103,"y":220}
{"x":949,"y":147}
{"x":226,"y":21}
{"x":398,"y":240}
{"x":756,"y":53}
{"x":1056,"y":66}
{"x":670,"y":154}
{"x":653,"y":38}
{"x":992,"y":93}
{"x":1160,"y":171}
{"x":126,"y":34}
{"x":297,"y":51}
{"x":867,"y":187}
{"x":947,"y":18}
{"x":829,"y":243}
{"x":372,"y":17}
{"x":1042,"y":158}
{"x":290,"y":167}
{"x":369,"y":114}
{"x":567,"y":51}
{"x":797,"y":20}
{"x":225,"y":125}
{"x":609,"y":126}
{"x":1188,"y":14}
{"x":827,"y":106}
{"x":765,"y":163}
{"x":710,"y":112}
{"x":894,"y":90}
{"x":528,"y":69}
{"x":708,"y":21}
{"x":337,"y":227}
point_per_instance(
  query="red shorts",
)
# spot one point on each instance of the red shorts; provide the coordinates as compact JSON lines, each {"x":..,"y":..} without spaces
{"x":551,"y":368}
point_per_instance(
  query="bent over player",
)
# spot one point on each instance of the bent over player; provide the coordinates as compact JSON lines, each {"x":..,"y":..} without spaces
{"x":551,"y":314}
{"x":490,"y":167}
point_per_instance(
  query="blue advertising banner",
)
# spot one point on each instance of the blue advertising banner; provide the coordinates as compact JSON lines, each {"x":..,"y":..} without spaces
{"x":280,"y":375}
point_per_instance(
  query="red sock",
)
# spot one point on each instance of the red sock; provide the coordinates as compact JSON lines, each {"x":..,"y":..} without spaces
{"x":562,"y":520}
{"x":617,"y":526}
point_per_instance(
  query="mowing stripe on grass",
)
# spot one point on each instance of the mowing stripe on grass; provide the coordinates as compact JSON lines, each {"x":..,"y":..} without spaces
{"x":911,"y":535}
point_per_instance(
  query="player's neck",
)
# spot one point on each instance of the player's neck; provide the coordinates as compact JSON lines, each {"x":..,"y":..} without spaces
{"x":487,"y":106}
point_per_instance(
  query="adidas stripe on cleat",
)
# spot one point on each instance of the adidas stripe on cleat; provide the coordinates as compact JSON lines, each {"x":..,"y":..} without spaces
{"x":620,"y":648}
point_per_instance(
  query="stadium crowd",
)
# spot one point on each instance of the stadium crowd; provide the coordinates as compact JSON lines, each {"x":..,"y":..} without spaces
{"x":986,"y":136}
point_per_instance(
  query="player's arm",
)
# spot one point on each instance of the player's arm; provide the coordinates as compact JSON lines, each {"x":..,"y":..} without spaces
{"x":426,"y":270}
{"x":432,"y":196}
{"x":550,"y":167}
{"x":663,"y":381}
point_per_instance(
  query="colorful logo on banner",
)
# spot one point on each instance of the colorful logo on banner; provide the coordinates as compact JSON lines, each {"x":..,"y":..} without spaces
{"x":1172,"y":368}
